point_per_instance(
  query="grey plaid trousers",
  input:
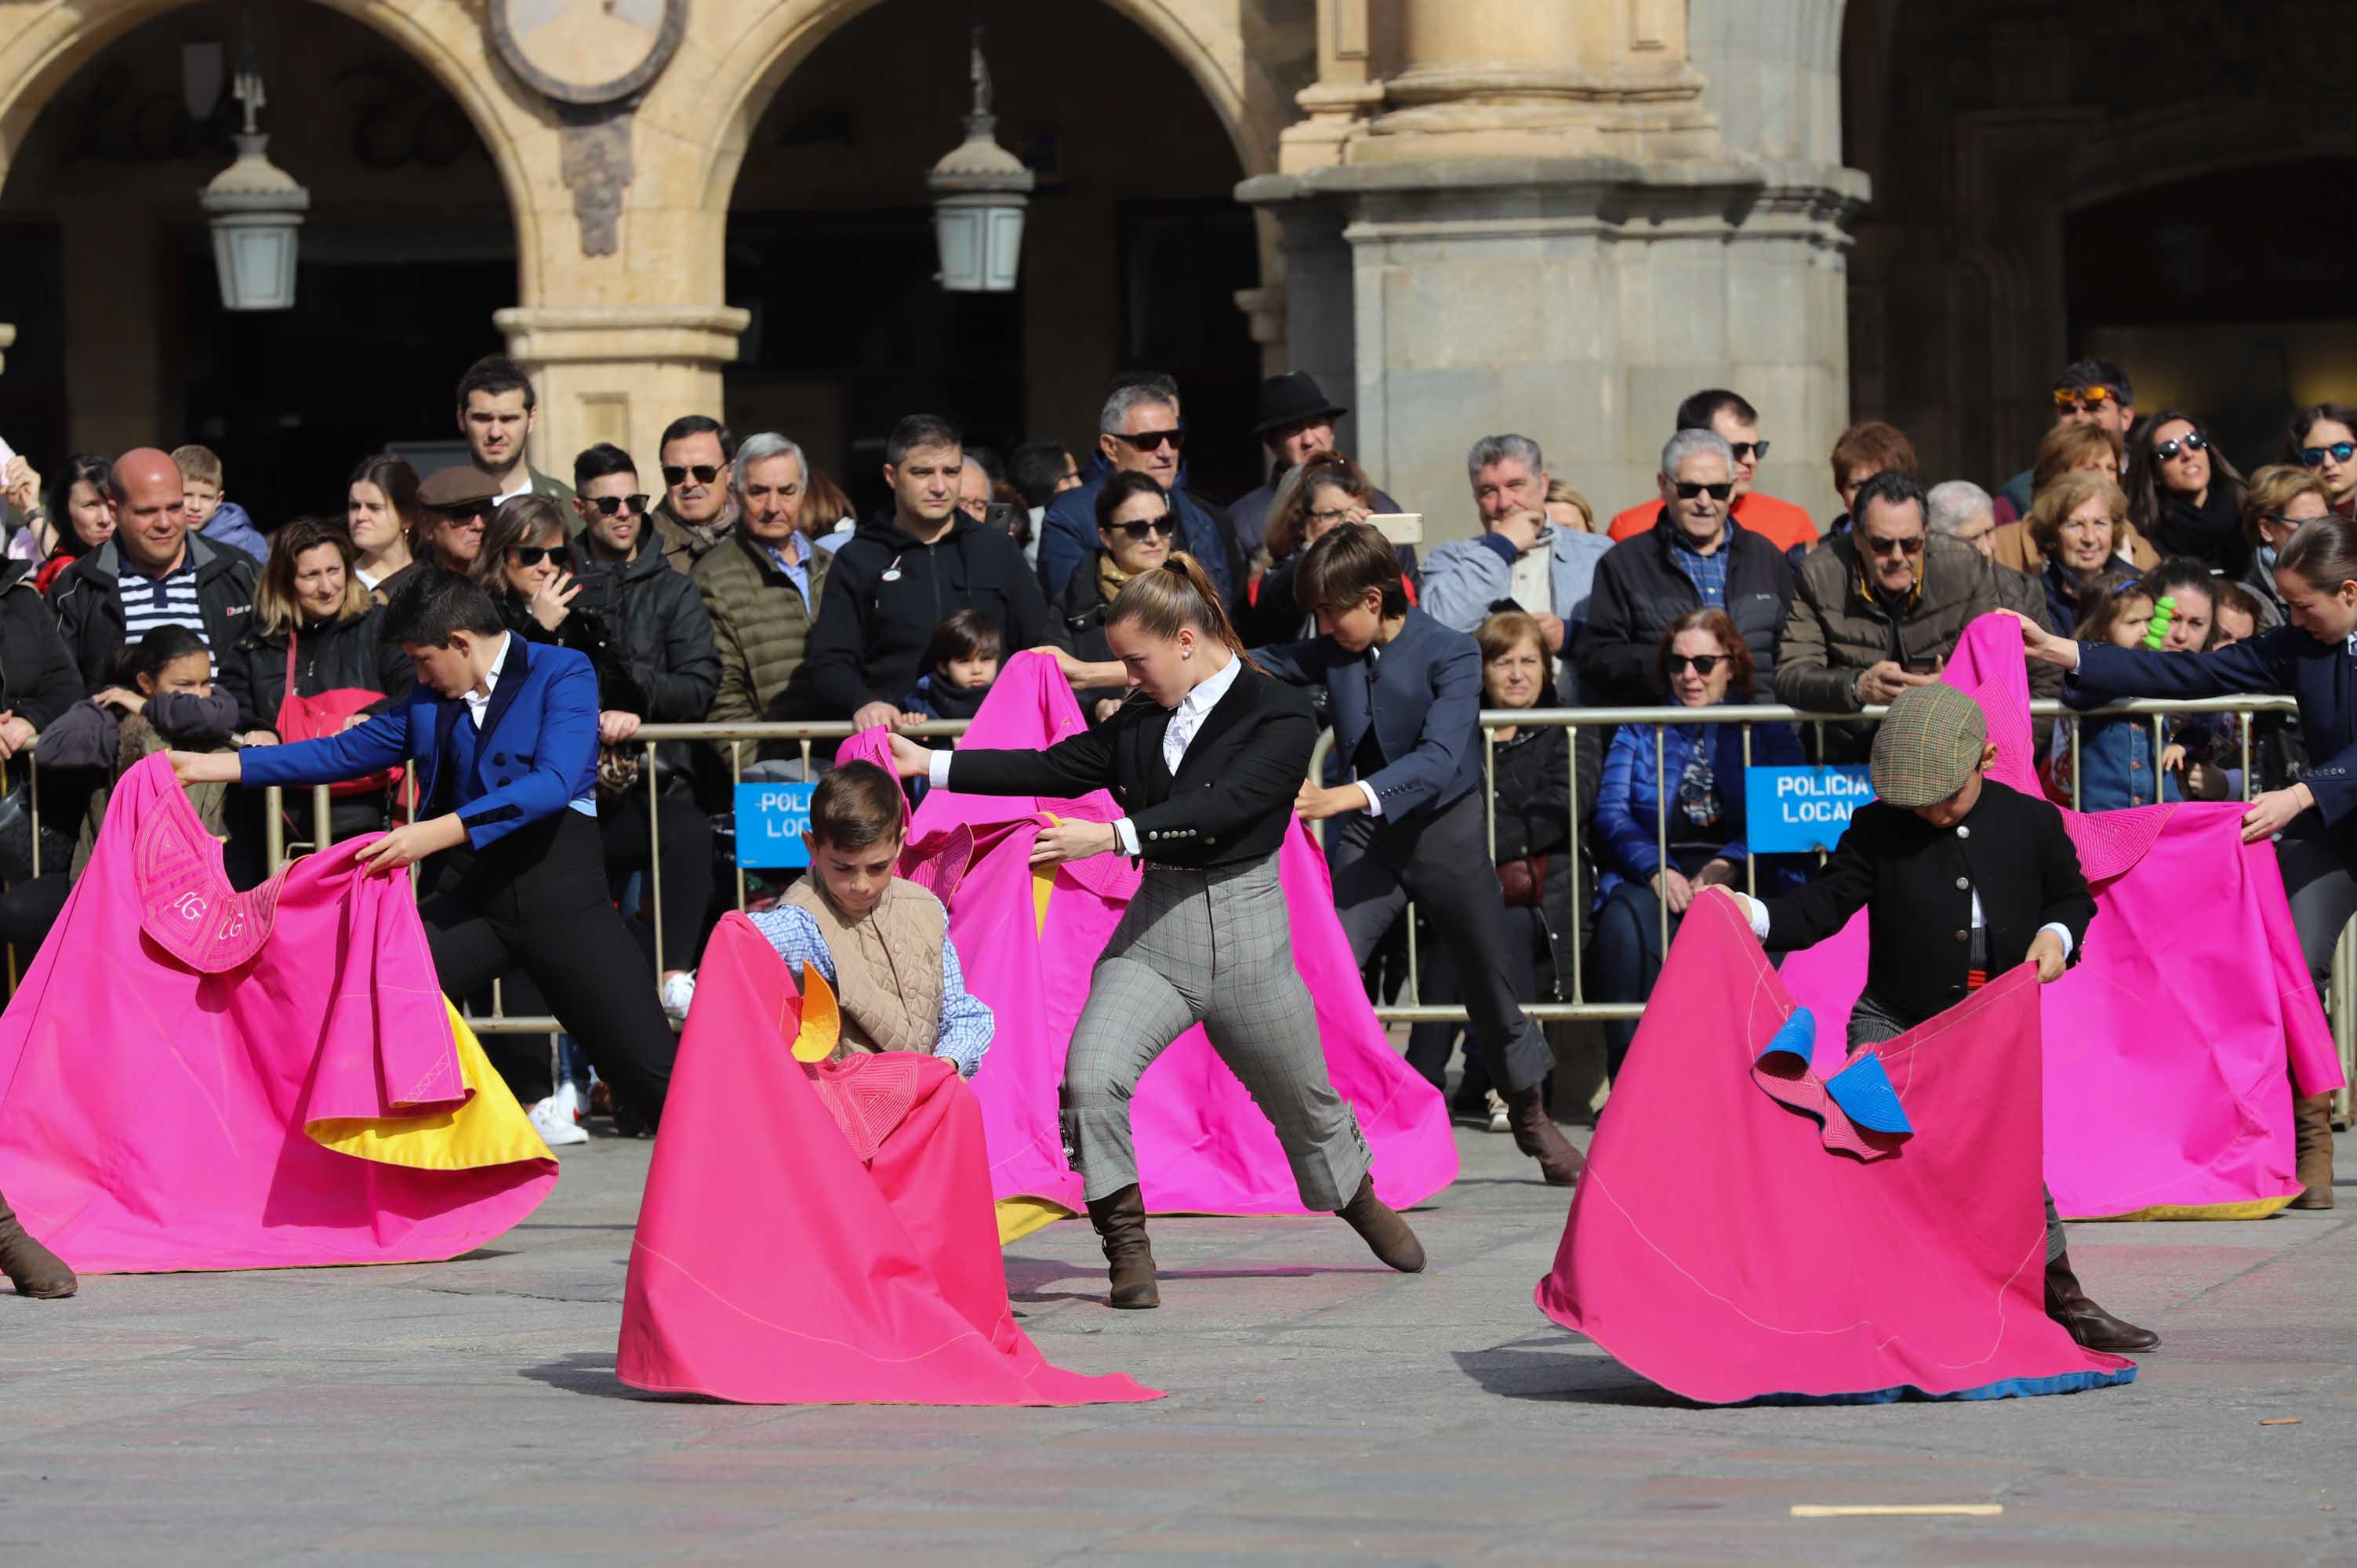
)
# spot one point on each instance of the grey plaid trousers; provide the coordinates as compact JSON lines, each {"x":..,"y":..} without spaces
{"x":1215,"y":948}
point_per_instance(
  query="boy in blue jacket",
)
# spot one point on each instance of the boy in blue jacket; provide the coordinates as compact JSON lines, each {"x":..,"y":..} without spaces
{"x":504,"y":735}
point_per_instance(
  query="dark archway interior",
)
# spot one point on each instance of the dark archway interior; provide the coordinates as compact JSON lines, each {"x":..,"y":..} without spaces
{"x":1133,"y":247}
{"x":406,"y":252}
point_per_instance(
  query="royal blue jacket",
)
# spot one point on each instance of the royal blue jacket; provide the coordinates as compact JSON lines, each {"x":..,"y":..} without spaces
{"x":2320,"y":676}
{"x":1628,"y":802}
{"x":535,"y":755}
{"x":1422,"y":698}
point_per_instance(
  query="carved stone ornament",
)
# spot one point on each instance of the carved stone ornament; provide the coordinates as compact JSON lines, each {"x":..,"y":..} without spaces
{"x":587,"y":53}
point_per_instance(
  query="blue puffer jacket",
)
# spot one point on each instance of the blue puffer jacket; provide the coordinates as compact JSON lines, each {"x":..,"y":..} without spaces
{"x":1627,"y":802}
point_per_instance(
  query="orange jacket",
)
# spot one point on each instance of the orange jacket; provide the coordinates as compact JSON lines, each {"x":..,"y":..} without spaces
{"x":1781,"y":521}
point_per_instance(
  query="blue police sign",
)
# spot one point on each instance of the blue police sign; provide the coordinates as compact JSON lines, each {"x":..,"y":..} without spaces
{"x":770,"y":821}
{"x":1793,"y":810}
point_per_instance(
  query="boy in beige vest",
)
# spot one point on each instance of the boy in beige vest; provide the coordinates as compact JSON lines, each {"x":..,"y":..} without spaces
{"x":882,"y":942}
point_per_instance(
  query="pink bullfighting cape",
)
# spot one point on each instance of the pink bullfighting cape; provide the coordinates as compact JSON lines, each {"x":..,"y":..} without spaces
{"x":1028,"y":943}
{"x":194,"y":1078}
{"x":2167,"y":1044}
{"x":817,"y":1232}
{"x":1763,"y":1217}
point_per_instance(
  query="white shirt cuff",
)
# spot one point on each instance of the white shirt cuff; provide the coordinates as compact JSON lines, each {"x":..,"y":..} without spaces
{"x":1374,"y":802}
{"x":1128,"y":837}
{"x":1758,"y":913}
{"x":937,"y":771}
{"x":2059,"y":929}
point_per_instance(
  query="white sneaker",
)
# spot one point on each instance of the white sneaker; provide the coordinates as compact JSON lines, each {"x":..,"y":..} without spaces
{"x":677,"y":992}
{"x":553,"y":1120}
{"x":1499,"y":1121}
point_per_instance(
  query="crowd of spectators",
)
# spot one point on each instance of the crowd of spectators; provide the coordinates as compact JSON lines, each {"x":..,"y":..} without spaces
{"x":741,"y":588}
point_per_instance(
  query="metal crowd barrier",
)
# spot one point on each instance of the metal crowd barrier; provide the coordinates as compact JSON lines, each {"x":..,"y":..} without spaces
{"x":805,"y":738}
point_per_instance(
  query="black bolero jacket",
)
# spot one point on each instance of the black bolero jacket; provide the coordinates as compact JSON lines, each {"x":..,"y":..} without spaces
{"x":1916,"y":883}
{"x":1231,"y":801}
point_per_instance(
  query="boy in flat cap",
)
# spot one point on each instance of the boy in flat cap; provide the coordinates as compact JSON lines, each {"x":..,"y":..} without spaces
{"x":1962,"y":880}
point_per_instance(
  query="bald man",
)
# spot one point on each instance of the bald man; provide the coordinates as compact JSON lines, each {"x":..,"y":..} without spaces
{"x":154,"y":572}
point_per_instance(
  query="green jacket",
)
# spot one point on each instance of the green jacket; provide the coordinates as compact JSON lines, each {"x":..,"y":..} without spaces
{"x":762,"y":628}
{"x":1833,"y":630}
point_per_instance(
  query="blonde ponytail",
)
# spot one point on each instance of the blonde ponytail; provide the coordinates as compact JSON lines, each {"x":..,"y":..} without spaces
{"x":1178,"y":593}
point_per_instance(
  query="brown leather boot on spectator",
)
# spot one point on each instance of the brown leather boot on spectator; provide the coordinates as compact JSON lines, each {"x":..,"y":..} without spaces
{"x":1120,"y":1220}
{"x":2312,"y":1129}
{"x":2090,"y":1325}
{"x":1380,"y":1228}
{"x":1536,"y":1135}
{"x":33,"y":1269}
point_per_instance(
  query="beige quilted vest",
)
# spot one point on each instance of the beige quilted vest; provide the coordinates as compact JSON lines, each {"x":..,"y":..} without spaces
{"x":888,"y":966}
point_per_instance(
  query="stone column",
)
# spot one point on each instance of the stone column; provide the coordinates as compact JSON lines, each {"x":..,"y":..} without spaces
{"x":618,"y":373}
{"x":1565,"y":242}
{"x":8,"y":338}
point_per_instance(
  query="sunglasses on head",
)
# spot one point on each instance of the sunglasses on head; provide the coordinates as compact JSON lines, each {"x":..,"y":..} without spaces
{"x":1689,"y":488}
{"x":534,"y":555}
{"x":2191,"y":441}
{"x":704,"y":473}
{"x":608,"y":505}
{"x":2313,"y":456}
{"x":1892,"y":547}
{"x":1149,"y":440}
{"x":1701,"y":663}
{"x":2083,"y":400}
{"x":1745,"y":450}
{"x":1160,"y":527}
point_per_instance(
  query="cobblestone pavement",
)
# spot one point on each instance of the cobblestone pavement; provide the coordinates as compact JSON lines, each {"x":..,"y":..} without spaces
{"x":1322,"y":1408}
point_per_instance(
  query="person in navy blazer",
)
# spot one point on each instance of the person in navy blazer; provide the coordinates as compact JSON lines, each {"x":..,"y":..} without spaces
{"x":2314,"y":821}
{"x":1405,"y":693}
{"x":504,"y":735}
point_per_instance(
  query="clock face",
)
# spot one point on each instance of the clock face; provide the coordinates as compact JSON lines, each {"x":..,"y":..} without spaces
{"x":586,"y":51}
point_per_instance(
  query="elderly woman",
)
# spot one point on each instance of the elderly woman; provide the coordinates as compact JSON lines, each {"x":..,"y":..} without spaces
{"x":1690,"y":793}
{"x":1542,"y":858}
{"x":2183,"y":495}
{"x":2070,"y":449}
{"x":2078,"y":524}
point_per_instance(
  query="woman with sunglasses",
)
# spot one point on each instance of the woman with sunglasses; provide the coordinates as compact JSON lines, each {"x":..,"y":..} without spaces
{"x":529,"y":568}
{"x":1326,"y":491}
{"x":1682,"y":783}
{"x":2324,"y":441}
{"x":1136,"y":533}
{"x":2183,"y":495}
{"x":2280,"y":498}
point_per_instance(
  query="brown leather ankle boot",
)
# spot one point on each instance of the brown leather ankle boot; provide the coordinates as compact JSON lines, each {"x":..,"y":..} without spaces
{"x":2312,"y":1129}
{"x":2088,"y":1323}
{"x":1536,"y":1135}
{"x":1120,"y":1220}
{"x":33,"y":1269}
{"x":1386,"y":1233}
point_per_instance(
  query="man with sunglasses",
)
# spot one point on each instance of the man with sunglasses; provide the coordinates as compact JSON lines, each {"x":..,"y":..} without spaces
{"x":1692,"y":557}
{"x":1878,"y":610}
{"x":698,"y":509}
{"x":1139,"y":432}
{"x":457,"y":505}
{"x":2088,"y":392}
{"x":1737,"y":423}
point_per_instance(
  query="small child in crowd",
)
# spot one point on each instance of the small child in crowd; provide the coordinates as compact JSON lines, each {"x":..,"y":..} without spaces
{"x":210,"y":513}
{"x":961,"y":662}
{"x":882,"y":942}
{"x":1942,"y":848}
{"x":163,"y":700}
{"x":2117,"y":762}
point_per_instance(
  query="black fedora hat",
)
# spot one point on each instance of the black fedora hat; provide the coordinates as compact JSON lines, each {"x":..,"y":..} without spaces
{"x":1292,"y":398}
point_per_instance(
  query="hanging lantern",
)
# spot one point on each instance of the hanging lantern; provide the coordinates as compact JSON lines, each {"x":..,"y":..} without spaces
{"x":254,"y":208}
{"x":980,"y":191}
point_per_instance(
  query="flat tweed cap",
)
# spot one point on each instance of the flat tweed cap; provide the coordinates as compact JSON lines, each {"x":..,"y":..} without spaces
{"x":1928,"y":744}
{"x":462,"y":485}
